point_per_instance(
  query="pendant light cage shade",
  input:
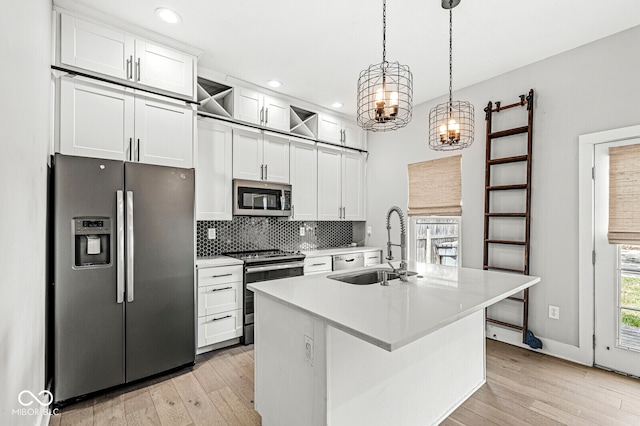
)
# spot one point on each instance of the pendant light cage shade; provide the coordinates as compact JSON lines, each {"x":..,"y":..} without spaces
{"x":385,"y":97}
{"x":451,"y":126}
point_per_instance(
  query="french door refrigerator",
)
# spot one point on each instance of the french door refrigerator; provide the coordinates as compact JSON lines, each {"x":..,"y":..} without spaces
{"x":123,"y":288}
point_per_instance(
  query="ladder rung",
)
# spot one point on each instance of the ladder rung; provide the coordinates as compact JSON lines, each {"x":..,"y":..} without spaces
{"x":509,"y":132}
{"x":498,"y":268}
{"x":506,"y":187}
{"x":517,"y":243}
{"x":506,"y":324}
{"x":515,"y":159}
{"x":506,"y":214}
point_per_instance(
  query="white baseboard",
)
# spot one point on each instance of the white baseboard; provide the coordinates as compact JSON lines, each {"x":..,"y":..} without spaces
{"x":549,"y":347}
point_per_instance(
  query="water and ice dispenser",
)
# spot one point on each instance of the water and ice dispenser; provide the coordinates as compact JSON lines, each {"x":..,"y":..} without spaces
{"x":92,"y":242}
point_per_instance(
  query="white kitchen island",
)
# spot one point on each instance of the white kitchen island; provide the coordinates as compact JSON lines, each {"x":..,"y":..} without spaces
{"x":333,"y":353}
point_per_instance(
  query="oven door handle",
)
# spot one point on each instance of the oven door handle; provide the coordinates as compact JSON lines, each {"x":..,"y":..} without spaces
{"x":275,"y":267}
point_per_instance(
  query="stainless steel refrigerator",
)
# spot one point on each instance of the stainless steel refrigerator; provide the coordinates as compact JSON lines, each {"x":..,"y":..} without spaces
{"x":123,"y":288}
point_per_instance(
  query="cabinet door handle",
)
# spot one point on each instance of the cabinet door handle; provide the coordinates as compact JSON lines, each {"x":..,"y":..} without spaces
{"x":339,"y":212}
{"x":138,"y":150}
{"x":261,"y":171}
{"x":266,"y":116}
{"x":318,"y":264}
{"x":220,"y":276}
{"x":261,"y":115}
{"x":138,"y":70}
{"x":220,"y":289}
{"x":344,"y":212}
{"x":218,"y":319}
{"x":266,"y":174}
{"x":130,"y":67}
{"x":130,"y":149}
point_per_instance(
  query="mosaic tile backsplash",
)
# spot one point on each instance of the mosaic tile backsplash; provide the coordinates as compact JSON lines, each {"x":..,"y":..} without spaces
{"x":262,"y":233}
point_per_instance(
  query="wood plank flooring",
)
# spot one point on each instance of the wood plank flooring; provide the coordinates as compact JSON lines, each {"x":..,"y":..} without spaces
{"x":523,"y":388}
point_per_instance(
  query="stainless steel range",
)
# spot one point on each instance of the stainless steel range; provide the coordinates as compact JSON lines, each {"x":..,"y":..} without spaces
{"x":265,"y":265}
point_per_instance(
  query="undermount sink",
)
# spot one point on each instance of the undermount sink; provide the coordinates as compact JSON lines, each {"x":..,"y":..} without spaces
{"x":369,"y":276}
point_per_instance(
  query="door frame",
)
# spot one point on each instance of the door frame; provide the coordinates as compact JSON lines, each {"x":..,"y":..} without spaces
{"x":586,"y":237}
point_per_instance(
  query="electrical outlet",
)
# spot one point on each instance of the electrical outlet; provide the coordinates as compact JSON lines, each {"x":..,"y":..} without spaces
{"x":368,"y":231}
{"x":554,"y":312}
{"x":308,"y":350}
{"x":302,"y":231}
{"x":212,"y":233}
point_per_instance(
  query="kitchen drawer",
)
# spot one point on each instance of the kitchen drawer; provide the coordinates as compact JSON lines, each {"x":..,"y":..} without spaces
{"x":219,"y":275}
{"x":218,"y":298}
{"x":317,"y":265}
{"x":219,"y":327}
{"x":372,"y":258}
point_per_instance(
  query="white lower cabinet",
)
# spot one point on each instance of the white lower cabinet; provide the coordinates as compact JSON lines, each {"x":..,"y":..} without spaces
{"x":372,"y":258}
{"x":103,"y":120}
{"x":220,"y":292}
{"x":219,"y":327}
{"x":317,"y":265}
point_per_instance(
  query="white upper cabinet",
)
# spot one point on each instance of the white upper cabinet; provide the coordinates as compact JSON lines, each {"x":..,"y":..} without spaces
{"x":94,"y":47}
{"x":304,"y":178}
{"x":163,"y":132}
{"x":164,"y":68}
{"x":276,"y":158}
{"x":116,"y":53}
{"x":258,"y":156}
{"x":96,"y":119}
{"x":329,"y":183}
{"x":334,"y":130}
{"x":214,"y":171}
{"x":353,"y":185}
{"x":103,"y":120}
{"x":341,"y":184}
{"x":256,"y":108}
{"x":248,"y":154}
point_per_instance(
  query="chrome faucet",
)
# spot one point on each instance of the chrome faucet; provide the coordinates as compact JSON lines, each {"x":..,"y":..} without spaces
{"x":402,"y":271}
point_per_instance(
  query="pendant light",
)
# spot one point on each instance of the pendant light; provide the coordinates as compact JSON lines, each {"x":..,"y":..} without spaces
{"x":385,"y":91}
{"x":451,"y":123}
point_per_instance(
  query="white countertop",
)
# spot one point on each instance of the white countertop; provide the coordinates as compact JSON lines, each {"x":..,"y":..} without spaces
{"x":338,"y":250}
{"x":212,"y":261}
{"x":394,"y":316}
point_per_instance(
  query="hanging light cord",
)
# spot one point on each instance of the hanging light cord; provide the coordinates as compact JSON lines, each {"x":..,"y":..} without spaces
{"x":384,"y":31}
{"x":450,"y":54}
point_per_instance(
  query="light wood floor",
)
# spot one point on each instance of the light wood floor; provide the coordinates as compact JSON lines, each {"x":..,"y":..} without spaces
{"x":523,"y":388}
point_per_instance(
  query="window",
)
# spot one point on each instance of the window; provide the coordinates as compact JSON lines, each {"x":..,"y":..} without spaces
{"x":435,"y":239}
{"x":629,"y":296}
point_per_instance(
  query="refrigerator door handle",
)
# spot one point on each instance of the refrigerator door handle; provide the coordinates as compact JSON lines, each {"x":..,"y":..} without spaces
{"x":130,"y":246}
{"x":120,"y":247}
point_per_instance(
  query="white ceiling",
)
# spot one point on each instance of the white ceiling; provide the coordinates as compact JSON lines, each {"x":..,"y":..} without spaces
{"x":317,"y":49}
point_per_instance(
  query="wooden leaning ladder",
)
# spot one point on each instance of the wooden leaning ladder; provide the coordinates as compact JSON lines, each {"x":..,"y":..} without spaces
{"x":525,"y":187}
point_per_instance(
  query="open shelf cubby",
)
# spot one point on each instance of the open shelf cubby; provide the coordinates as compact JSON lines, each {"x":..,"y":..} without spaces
{"x":303,"y":122}
{"x":215,"y":98}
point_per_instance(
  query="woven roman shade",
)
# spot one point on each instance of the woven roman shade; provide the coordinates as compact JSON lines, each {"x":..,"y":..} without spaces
{"x":435,"y":187}
{"x":624,"y":194}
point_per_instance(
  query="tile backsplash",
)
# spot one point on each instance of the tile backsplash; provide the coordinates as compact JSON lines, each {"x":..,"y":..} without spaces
{"x":262,"y":233}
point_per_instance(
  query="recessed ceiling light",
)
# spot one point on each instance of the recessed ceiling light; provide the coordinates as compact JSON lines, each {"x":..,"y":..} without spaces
{"x":274,"y":83}
{"x":168,"y":15}
{"x":337,"y":105}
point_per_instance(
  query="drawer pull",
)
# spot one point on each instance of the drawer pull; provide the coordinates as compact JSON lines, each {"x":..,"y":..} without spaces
{"x":221,"y":318}
{"x":318,"y":264}
{"x":220,"y":276}
{"x":349,"y":260}
{"x":220,"y":289}
{"x":373,"y":257}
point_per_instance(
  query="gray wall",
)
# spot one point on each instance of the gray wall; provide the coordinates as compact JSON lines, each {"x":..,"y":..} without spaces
{"x":25,"y":43}
{"x":588,"y":89}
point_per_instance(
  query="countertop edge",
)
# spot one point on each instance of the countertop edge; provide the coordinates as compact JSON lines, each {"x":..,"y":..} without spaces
{"x":392,"y":346}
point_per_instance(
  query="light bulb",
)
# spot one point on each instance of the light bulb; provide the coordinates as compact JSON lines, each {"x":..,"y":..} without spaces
{"x":379,"y":95}
{"x":394,"y":99}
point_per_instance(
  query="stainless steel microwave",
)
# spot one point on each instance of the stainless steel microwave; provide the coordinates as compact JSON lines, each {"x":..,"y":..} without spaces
{"x":257,"y":198}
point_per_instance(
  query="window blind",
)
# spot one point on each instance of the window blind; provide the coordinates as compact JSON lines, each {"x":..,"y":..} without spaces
{"x":624,"y":194}
{"x":435,"y":187}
